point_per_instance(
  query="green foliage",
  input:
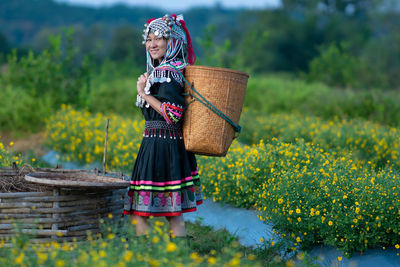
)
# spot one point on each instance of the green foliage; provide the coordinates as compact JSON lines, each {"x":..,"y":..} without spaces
{"x":335,"y":67}
{"x":67,"y":132}
{"x":51,"y":73}
{"x":20,"y":111}
{"x":311,"y":196}
{"x":368,"y":142}
{"x":114,"y":89}
{"x":4,"y":47}
{"x":277,"y":93}
{"x":118,"y":245}
{"x":354,"y":8}
{"x":380,"y":59}
{"x":127,"y":44}
{"x":215,"y":55}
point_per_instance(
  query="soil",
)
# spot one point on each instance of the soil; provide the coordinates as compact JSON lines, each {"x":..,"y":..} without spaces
{"x":32,"y":142}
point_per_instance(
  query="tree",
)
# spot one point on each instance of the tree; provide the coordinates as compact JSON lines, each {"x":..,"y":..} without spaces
{"x":356,"y":8}
{"x":127,"y":44}
{"x":4,"y":47}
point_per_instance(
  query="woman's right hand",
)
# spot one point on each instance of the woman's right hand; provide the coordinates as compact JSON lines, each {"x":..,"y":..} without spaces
{"x":141,"y":83}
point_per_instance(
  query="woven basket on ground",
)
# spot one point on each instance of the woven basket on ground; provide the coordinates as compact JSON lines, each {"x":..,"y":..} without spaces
{"x":65,"y":207}
{"x":205,"y":132}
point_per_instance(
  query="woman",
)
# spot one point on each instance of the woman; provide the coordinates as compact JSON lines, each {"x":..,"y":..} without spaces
{"x":165,"y":179}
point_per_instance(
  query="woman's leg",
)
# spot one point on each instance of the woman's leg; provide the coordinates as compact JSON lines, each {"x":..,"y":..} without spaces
{"x":142,"y":225}
{"x":177,"y":226}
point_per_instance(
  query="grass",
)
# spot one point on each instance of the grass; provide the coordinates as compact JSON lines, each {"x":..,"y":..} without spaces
{"x":118,"y":245}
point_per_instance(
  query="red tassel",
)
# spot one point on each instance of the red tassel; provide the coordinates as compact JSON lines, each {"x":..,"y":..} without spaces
{"x":150,"y":20}
{"x":174,"y":16}
{"x":191,"y":54}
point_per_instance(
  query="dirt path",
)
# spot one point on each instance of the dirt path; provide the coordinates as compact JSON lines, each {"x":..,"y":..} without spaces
{"x":33,"y":142}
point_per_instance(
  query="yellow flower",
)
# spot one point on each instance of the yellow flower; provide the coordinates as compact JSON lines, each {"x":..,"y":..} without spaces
{"x":300,"y":256}
{"x":397,"y":246}
{"x":110,"y":236}
{"x":128,"y":255}
{"x":298,"y":211}
{"x":330,"y":223}
{"x":11,"y":143}
{"x":155,"y":239}
{"x":280,"y":201}
{"x":339,"y":258}
{"x":171,"y":247}
{"x":290,"y":263}
{"x":211,"y":260}
{"x":60,"y":263}
{"x":20,"y":258}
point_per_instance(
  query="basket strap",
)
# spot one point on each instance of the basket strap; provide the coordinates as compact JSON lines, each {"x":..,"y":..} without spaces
{"x":210,"y":106}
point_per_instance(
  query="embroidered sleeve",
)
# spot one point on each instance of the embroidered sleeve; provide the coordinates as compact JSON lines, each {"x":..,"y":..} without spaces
{"x":171,"y":113}
{"x":172,"y":101}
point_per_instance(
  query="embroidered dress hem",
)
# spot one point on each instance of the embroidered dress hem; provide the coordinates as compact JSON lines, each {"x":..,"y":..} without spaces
{"x":147,"y":214}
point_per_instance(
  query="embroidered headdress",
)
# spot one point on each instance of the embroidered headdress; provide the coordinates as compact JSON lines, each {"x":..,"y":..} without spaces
{"x":178,"y":55}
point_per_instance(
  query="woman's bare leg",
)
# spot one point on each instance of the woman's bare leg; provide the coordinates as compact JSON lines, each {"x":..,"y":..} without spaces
{"x":142,"y":225}
{"x":177,"y":226}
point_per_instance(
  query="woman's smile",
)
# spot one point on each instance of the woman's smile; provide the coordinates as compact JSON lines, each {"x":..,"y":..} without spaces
{"x":157,"y":46}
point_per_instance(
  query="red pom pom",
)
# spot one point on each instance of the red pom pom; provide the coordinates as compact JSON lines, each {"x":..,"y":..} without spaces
{"x":150,"y":20}
{"x":174,"y":16}
{"x":191,"y":54}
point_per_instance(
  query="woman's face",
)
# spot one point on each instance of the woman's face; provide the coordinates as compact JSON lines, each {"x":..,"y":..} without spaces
{"x":157,"y":46}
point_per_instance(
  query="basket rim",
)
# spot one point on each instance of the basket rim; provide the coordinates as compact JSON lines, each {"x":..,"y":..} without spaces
{"x":217,"y":69}
{"x":101,"y":183}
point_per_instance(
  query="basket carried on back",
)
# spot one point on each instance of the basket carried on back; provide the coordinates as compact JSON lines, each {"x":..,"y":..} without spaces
{"x":205,"y":132}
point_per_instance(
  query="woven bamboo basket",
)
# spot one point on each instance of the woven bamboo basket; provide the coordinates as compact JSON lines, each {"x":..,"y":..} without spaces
{"x":64,"y":206}
{"x":206,"y":133}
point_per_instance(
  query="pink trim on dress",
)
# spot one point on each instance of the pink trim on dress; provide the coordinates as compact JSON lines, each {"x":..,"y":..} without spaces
{"x":144,"y":182}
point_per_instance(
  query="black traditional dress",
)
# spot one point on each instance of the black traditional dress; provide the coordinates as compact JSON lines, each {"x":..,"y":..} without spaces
{"x":165,"y":179}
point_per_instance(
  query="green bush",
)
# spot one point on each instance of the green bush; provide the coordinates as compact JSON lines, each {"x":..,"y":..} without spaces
{"x":336,"y":67}
{"x":20,"y":111}
{"x":114,"y":89}
{"x":310,"y":196}
{"x":275,"y":94}
{"x":366,"y":141}
{"x":55,"y":72}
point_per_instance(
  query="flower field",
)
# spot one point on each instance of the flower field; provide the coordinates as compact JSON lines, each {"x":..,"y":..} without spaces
{"x":118,"y":246}
{"x":80,"y":136}
{"x":367,"y":141}
{"x":318,"y":182}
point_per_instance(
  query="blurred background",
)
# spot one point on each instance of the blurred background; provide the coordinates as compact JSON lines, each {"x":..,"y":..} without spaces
{"x":88,"y":54}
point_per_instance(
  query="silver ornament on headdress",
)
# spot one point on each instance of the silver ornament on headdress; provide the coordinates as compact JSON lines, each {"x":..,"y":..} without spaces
{"x":170,"y":29}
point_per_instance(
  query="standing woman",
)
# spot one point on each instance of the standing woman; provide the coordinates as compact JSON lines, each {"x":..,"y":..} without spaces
{"x":165,"y":180}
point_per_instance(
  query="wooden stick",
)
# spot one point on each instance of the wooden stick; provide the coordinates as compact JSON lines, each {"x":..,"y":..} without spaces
{"x":56,"y":205}
{"x":24,"y":194}
{"x":105,"y":148}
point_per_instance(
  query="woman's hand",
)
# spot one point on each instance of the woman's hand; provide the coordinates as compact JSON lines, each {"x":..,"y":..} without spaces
{"x":141,"y":83}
